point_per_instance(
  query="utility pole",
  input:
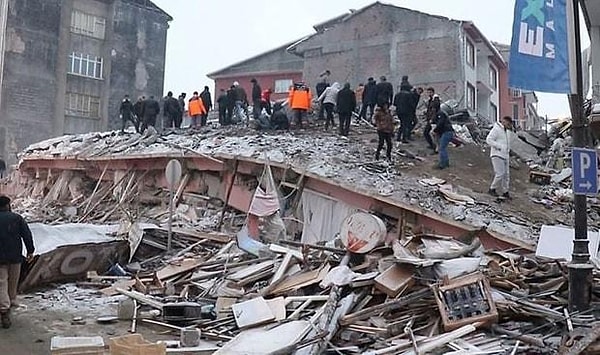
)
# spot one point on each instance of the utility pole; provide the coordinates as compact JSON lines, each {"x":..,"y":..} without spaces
{"x":580,"y":269}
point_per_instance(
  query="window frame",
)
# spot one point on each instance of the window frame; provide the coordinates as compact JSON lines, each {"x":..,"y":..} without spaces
{"x":288,"y":83}
{"x":493,"y":77}
{"x":470,"y":53}
{"x":89,"y":25}
{"x":471,"y":97}
{"x":82,"y":105}
{"x":494,"y":111}
{"x":86,"y":66}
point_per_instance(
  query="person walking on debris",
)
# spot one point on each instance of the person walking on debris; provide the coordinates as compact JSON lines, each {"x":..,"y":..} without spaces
{"x":171,"y":110}
{"x":150,"y":110}
{"x":181,"y":100}
{"x":405,"y":109}
{"x":223,"y":102}
{"x":265,"y":100}
{"x":384,"y":92}
{"x":499,"y":141}
{"x":299,"y":100}
{"x":321,"y":87}
{"x":433,"y":107}
{"x":369,"y":99}
{"x":137,"y":110}
{"x":241,"y":102}
{"x":444,"y":131}
{"x":231,"y":98}
{"x":195,"y":109}
{"x":126,"y":113}
{"x":328,"y":99}
{"x":359,"y":95}
{"x":385,"y":129}
{"x":346,"y":104}
{"x":14,"y":232}
{"x":256,"y":98}
{"x":206,"y":98}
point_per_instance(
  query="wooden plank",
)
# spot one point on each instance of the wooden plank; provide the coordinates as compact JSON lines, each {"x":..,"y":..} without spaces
{"x":251,"y":270}
{"x":300,"y":280}
{"x":393,"y":280}
{"x":253,"y":312}
{"x":277,"y":306}
{"x":173,"y":269}
{"x":141,"y":298}
{"x":223,"y":306}
{"x":283,"y":250}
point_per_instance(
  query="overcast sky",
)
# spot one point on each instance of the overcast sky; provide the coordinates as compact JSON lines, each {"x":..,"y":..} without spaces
{"x":208,"y":35}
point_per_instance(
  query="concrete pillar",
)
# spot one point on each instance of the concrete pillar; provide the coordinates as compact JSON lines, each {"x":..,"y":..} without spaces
{"x":62,"y":62}
{"x":595,"y":47}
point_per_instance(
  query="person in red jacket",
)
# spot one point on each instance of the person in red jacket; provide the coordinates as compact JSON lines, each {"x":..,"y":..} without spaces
{"x":299,"y":100}
{"x":265,"y":99}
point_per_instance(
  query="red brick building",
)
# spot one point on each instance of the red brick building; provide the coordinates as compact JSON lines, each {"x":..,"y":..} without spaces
{"x":276,"y":69}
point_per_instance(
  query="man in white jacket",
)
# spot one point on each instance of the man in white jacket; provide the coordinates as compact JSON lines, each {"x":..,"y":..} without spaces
{"x":499,"y":142}
{"x":328,"y":99}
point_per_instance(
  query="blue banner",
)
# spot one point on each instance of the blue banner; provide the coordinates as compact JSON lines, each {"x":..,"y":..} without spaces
{"x":541,"y":44}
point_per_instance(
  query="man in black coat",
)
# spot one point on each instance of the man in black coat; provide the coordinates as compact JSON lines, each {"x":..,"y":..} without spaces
{"x":223,"y":102}
{"x":14,"y":232}
{"x":369,"y":99}
{"x":171,"y":110}
{"x":405,"y":109}
{"x":138,"y":108}
{"x":126,"y":113}
{"x":346,"y":104}
{"x":150,"y":109}
{"x":384,"y":92}
{"x":231,"y":98}
{"x":321,"y":86}
{"x":208,"y":105}
{"x":256,"y":102}
{"x":181,"y":101}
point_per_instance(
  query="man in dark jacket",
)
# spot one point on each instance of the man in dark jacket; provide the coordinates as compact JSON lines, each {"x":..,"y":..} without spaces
{"x":208,"y":105}
{"x":433,"y":107}
{"x":126,"y":113}
{"x":346,"y":104}
{"x":138,"y":108}
{"x":181,"y":101}
{"x":444,"y":131}
{"x":369,"y":99}
{"x":321,"y":86}
{"x":14,"y":232}
{"x":256,"y":102}
{"x":222,"y":101}
{"x":150,"y":109}
{"x":231,"y":98}
{"x":171,"y":110}
{"x":384,"y":92}
{"x":279,"y":120}
{"x":406,"y":111}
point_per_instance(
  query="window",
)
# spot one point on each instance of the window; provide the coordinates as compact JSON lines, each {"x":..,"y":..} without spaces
{"x":516,"y":112}
{"x":470,"y":53}
{"x":470,"y":96}
{"x":493,"y":111}
{"x":85,"y":65}
{"x":87,"y":25}
{"x":283,"y":86}
{"x":515,"y":93}
{"x":493,"y":78}
{"x":82,"y":105}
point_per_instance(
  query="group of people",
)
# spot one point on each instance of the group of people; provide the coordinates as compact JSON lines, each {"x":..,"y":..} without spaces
{"x":145,"y":111}
{"x":233,"y":103}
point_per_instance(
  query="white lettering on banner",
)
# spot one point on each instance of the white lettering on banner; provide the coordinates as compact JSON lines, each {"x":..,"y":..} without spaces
{"x":550,"y":3}
{"x":550,"y":25}
{"x":531,"y":42}
{"x":550,"y":51}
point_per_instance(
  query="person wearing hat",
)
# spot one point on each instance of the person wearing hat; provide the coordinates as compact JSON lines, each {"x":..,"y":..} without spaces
{"x":369,"y":99}
{"x":14,"y":232}
{"x":499,"y":141}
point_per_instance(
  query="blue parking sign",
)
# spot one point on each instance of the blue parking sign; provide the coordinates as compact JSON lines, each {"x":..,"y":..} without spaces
{"x":585,"y":171}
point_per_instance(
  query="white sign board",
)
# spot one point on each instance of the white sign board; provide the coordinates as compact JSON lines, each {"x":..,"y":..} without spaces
{"x":556,"y":242}
{"x":173,"y":173}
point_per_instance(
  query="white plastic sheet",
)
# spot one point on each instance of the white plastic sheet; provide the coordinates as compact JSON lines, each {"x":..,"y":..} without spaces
{"x":323,"y":217}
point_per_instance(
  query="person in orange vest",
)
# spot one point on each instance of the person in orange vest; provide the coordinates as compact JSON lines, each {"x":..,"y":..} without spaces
{"x":299,"y":101}
{"x":195,"y":109}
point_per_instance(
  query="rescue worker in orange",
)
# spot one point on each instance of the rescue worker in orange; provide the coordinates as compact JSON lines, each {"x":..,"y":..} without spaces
{"x":195,"y":110}
{"x":299,"y":101}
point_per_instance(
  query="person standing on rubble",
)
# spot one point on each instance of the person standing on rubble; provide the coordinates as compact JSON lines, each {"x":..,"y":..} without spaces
{"x":223,"y":102}
{"x":195,"y":109}
{"x":433,"y":108}
{"x":299,"y":101}
{"x":328,"y":100}
{"x":231,"y":98}
{"x":14,"y":232}
{"x":137,"y":110}
{"x":369,"y":99}
{"x":181,"y":100}
{"x":405,"y":109}
{"x":241,"y":101}
{"x":358,"y":93}
{"x":385,"y":129}
{"x":265,"y":101}
{"x":171,"y":110}
{"x":150,"y":110}
{"x":206,"y":98}
{"x":499,"y":141}
{"x":321,"y":87}
{"x":384,"y":92}
{"x":444,"y":131}
{"x":346,"y":104}
{"x":126,"y":113}
{"x":256,"y":99}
